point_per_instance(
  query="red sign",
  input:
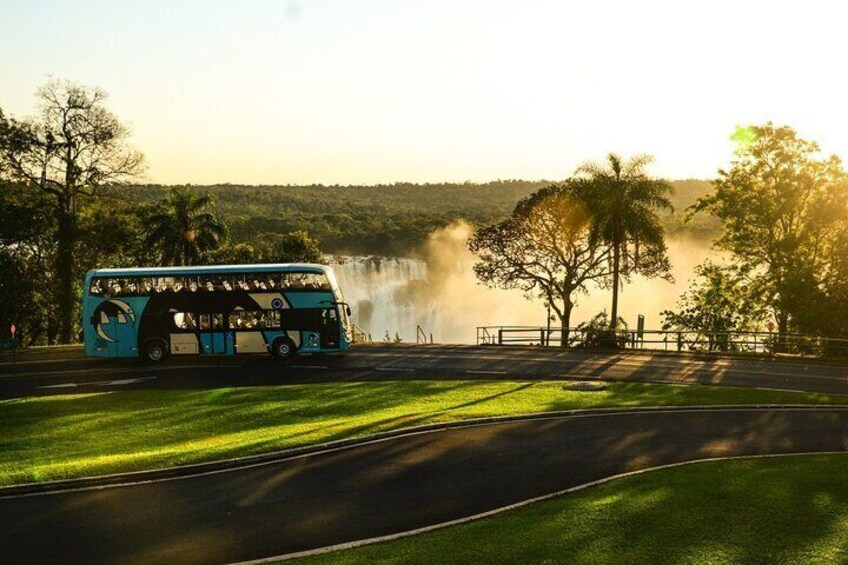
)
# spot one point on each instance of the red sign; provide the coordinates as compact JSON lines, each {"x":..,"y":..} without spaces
{"x":14,"y":329}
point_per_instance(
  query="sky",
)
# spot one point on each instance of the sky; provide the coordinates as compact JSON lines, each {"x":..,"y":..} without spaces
{"x":369,"y":91}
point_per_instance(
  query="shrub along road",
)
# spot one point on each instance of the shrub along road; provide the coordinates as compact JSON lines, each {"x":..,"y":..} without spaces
{"x":389,"y":486}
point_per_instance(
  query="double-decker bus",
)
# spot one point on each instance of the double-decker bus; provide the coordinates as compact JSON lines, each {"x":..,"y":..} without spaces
{"x":151,"y":313}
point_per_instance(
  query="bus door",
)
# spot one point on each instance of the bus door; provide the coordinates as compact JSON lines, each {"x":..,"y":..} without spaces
{"x":330,"y":328}
{"x":213,"y":335}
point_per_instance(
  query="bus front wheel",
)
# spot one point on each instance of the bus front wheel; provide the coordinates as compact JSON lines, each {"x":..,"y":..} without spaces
{"x":283,"y":348}
{"x":155,"y":351}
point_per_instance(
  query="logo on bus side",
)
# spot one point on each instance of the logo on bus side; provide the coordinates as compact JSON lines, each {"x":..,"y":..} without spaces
{"x":109,"y":313}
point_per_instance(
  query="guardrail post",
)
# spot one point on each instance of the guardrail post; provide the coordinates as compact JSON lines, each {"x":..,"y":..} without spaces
{"x":500,"y":336}
{"x":679,"y":341}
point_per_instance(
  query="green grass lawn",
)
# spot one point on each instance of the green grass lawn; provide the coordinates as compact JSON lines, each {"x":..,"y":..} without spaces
{"x":69,"y":436}
{"x":789,"y":510}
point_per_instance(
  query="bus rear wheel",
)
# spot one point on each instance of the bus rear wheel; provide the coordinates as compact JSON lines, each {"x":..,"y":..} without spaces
{"x":283,"y":348}
{"x":155,"y":351}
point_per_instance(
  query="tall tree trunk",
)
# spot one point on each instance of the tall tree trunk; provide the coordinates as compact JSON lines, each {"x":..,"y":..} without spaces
{"x":616,"y":265}
{"x":565,"y":321}
{"x":782,"y":330}
{"x":66,"y":300}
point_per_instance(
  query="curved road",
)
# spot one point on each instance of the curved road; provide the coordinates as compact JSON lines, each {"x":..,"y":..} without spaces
{"x":52,"y":372}
{"x":389,"y":486}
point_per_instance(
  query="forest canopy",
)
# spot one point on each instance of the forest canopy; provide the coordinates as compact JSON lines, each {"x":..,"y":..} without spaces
{"x":387,"y":220}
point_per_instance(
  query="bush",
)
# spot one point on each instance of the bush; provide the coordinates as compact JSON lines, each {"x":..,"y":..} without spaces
{"x":596,"y":334}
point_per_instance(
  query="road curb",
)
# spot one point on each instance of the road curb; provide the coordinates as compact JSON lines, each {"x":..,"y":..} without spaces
{"x":234,"y":464}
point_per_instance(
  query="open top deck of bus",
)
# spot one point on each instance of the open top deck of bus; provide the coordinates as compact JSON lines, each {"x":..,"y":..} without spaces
{"x":211,"y":270}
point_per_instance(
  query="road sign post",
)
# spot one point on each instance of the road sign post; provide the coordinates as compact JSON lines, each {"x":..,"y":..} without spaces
{"x":14,"y":330}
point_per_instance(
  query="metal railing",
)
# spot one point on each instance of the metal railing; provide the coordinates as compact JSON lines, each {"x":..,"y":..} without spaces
{"x":421,"y":336}
{"x":665,"y":340}
{"x":360,"y":335}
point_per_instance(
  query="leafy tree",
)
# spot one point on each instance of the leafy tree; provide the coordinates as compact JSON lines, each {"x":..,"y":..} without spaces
{"x":544,"y":249}
{"x":293,"y":247}
{"x":717,"y":303}
{"x":624,"y":202}
{"x":184,"y":227}
{"x":112,"y":234}
{"x":74,"y":147}
{"x":821,"y":303}
{"x":27,"y":254}
{"x":779,"y":203}
{"x":233,"y":254}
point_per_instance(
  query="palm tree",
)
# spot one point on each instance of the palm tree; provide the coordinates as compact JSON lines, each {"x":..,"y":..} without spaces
{"x":184,"y":228}
{"x":623,"y":201}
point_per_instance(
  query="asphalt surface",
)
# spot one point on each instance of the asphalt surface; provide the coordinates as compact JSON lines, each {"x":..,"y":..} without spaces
{"x":69,"y":371}
{"x":386,"y":487}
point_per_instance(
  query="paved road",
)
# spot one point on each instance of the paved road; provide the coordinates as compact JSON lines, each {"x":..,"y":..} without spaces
{"x":69,"y":371}
{"x":390,"y":486}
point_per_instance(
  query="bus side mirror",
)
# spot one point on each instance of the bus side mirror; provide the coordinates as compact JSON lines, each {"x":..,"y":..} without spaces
{"x":347,"y":309}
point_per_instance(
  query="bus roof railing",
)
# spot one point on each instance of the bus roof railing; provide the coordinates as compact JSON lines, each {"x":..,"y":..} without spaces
{"x":212,"y":270}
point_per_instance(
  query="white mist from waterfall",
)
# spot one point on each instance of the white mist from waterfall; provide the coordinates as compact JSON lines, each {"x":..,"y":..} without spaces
{"x":440,"y":293}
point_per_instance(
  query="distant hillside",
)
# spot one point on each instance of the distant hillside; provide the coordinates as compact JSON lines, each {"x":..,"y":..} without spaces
{"x":383,"y":219}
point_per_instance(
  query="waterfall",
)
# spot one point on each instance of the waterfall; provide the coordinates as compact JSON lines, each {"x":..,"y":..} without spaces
{"x":388,"y":295}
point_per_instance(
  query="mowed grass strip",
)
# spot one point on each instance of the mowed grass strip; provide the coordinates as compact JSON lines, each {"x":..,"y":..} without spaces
{"x":59,"y":437}
{"x":781,"y":511}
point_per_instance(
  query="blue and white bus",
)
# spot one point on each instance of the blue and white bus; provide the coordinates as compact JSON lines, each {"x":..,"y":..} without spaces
{"x":151,"y":313}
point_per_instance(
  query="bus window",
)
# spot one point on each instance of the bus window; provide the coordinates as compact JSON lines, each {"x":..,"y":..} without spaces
{"x":209,"y":283}
{"x":164,"y":284}
{"x":185,"y":321}
{"x":270,"y":319}
{"x":211,"y":322}
{"x":236,"y":319}
{"x":95,"y":289}
{"x":145,"y":286}
{"x":131,"y":287}
{"x":306,"y":281}
{"x":179,"y":320}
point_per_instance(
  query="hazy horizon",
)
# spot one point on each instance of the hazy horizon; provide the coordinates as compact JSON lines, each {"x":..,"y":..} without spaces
{"x":329,"y":92}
